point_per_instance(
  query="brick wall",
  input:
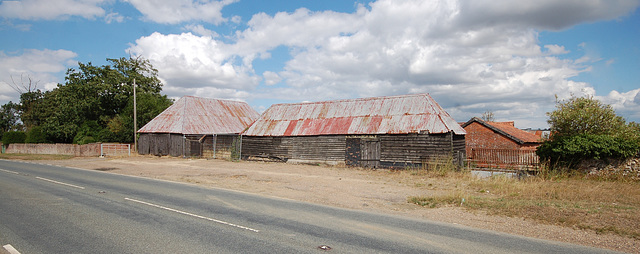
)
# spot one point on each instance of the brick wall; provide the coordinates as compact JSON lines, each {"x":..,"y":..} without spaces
{"x":63,"y":149}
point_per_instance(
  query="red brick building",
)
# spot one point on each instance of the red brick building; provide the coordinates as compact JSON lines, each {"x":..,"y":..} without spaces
{"x":499,"y":143}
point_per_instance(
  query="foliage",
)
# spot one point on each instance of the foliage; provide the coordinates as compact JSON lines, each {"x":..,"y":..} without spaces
{"x":568,"y":150}
{"x":584,"y":128}
{"x":9,"y":118}
{"x":585,"y":115}
{"x":95,"y":104}
{"x":13,"y":137}
{"x":35,"y":135}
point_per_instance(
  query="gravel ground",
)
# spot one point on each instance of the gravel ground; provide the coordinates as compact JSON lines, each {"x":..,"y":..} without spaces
{"x":370,"y":190}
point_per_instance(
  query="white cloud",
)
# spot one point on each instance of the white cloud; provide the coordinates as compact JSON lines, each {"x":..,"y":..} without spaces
{"x":39,"y":65}
{"x":200,"y":30}
{"x":114,"y":17}
{"x":178,"y":11}
{"x":627,"y":103}
{"x":471,"y":56}
{"x":186,"y":62}
{"x":50,"y":10}
{"x":271,"y":78}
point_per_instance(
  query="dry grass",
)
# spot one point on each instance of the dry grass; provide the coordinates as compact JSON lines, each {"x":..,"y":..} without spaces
{"x":19,"y":156}
{"x":577,"y":201}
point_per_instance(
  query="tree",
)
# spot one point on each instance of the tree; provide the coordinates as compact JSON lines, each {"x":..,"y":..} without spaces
{"x":585,"y":115}
{"x":30,"y":97}
{"x":488,"y":116}
{"x":94,"y":100}
{"x":9,"y":117}
{"x":583,"y":128}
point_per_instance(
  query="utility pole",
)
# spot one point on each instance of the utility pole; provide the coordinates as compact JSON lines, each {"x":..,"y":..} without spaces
{"x":135,"y":118}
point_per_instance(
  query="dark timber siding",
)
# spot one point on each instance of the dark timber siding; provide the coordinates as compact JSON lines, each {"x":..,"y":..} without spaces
{"x":324,"y":148}
{"x":365,"y":150}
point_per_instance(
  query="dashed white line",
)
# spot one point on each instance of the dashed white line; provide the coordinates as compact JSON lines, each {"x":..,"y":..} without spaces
{"x":54,"y":181}
{"x":193,"y":215}
{"x":10,"y":249}
{"x":9,"y":171}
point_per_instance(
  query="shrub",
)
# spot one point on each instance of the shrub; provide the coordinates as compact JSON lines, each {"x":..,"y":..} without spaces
{"x":569,"y":150}
{"x":35,"y":135}
{"x":11,"y":137}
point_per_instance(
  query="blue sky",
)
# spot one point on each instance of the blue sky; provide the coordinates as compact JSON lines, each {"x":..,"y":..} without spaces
{"x":507,"y":57}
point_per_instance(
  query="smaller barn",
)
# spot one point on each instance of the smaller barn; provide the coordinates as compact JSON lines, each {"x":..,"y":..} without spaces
{"x":499,"y":143}
{"x":393,"y":131}
{"x":195,"y":126}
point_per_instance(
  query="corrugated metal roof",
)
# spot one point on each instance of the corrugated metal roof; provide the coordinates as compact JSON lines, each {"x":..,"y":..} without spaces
{"x":507,"y":129}
{"x":380,"y":115}
{"x":195,"y":115}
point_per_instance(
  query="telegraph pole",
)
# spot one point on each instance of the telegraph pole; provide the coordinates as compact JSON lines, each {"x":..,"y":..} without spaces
{"x":135,"y":118}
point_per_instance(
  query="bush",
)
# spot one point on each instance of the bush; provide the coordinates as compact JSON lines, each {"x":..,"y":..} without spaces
{"x":11,"y":137}
{"x":569,"y":150}
{"x":35,"y":135}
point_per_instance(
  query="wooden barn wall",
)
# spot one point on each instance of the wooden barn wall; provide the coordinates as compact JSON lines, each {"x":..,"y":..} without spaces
{"x":143,"y":143}
{"x":160,"y":144}
{"x":416,"y":149}
{"x":325,"y":148}
{"x":395,"y":150}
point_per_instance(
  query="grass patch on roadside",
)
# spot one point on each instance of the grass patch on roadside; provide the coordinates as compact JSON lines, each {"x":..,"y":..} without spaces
{"x":575,"y":200}
{"x":20,"y":156}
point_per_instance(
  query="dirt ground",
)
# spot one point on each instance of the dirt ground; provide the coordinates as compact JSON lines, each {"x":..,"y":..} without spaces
{"x":371,"y":190}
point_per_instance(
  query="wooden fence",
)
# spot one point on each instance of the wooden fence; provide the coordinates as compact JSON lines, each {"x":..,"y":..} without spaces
{"x":507,"y":159}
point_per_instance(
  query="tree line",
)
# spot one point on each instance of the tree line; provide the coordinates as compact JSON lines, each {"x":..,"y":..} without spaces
{"x":95,"y":104}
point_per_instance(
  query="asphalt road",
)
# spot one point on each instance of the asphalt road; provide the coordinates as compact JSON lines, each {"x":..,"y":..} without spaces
{"x":48,"y":209}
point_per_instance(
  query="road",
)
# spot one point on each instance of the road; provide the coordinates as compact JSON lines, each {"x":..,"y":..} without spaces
{"x":49,"y":209}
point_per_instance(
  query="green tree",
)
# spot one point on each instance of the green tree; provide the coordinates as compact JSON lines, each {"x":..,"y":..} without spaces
{"x":12,"y":137}
{"x":583,"y":128}
{"x":93,"y":102}
{"x":585,"y":115}
{"x":9,"y":116}
{"x":35,"y":135}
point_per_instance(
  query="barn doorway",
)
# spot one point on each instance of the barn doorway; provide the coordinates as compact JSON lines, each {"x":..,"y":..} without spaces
{"x":363,"y":151}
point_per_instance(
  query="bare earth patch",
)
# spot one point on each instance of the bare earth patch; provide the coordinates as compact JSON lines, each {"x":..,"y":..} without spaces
{"x":380,"y":191}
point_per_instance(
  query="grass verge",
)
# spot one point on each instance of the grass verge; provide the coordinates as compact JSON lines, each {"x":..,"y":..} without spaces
{"x":574,"y":200}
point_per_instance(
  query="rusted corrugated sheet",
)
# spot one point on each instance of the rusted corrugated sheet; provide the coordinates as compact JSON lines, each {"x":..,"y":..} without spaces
{"x":194,"y":115}
{"x":380,"y":115}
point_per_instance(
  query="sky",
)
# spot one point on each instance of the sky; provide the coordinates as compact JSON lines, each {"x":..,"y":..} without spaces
{"x":515,"y":59}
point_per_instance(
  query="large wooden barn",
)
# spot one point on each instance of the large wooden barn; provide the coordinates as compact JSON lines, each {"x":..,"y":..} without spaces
{"x":394,"y":131}
{"x":195,"y":126}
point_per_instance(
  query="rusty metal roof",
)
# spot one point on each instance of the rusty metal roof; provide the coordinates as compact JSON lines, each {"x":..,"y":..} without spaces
{"x":507,"y":129}
{"x":195,"y":115}
{"x":404,"y":114}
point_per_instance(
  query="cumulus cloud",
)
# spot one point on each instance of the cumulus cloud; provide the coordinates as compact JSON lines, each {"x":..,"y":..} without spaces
{"x":178,"y":11}
{"x":41,"y":66}
{"x":50,"y":10}
{"x":192,"y":62}
{"x":471,"y":56}
{"x":200,"y":30}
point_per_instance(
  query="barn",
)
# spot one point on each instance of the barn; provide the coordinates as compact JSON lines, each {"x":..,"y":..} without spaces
{"x":195,"y":126}
{"x":393,"y":131}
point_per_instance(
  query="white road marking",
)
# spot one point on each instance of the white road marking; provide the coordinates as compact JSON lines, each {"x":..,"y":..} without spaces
{"x":53,"y":181}
{"x":193,"y":215}
{"x":9,"y":171}
{"x":10,"y":249}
